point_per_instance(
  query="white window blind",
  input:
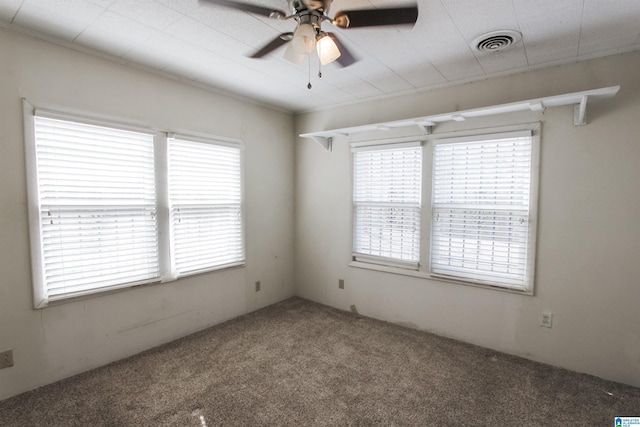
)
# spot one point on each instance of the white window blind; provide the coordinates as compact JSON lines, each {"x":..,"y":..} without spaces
{"x":97,"y":206}
{"x":481,"y":209}
{"x":205,"y":196}
{"x":387,"y":204}
{"x":113,"y":205}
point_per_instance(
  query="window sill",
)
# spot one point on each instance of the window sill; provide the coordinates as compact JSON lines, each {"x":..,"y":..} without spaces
{"x":427,"y":276}
{"x":126,"y":287}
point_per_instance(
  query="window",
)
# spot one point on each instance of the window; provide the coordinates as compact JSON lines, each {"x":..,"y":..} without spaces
{"x":387,"y":204}
{"x":98,"y":193}
{"x":482,"y":221}
{"x":481,"y":210}
{"x":97,"y":206}
{"x":206,"y":205}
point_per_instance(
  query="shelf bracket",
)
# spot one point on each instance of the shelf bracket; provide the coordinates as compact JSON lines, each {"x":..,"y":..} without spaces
{"x":536,"y":106}
{"x":326,"y":142}
{"x":580,"y":112}
{"x":427,"y":126}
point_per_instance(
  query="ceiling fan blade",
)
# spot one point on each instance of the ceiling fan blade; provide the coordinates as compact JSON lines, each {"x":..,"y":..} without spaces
{"x":273,"y":44}
{"x":376,"y":17}
{"x":246,"y":7}
{"x":346,"y":58}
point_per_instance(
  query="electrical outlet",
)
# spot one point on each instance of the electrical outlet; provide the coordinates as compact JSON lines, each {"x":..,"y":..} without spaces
{"x":6,"y":359}
{"x":340,"y":283}
{"x":547,"y":319}
{"x":258,"y":286}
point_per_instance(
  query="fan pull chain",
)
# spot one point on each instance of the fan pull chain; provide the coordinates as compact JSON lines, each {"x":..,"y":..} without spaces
{"x":309,"y":85}
{"x":319,"y":62}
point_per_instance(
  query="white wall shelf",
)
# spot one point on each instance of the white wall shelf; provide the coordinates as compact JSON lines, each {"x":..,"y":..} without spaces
{"x":427,"y":123}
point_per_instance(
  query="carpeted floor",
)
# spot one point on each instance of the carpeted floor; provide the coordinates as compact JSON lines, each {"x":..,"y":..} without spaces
{"x":300,"y":363}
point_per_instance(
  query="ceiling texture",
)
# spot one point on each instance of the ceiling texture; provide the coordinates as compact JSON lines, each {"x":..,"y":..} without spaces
{"x":210,"y":44}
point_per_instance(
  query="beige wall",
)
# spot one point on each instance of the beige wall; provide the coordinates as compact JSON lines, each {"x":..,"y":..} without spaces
{"x":588,"y":229}
{"x":63,"y":340}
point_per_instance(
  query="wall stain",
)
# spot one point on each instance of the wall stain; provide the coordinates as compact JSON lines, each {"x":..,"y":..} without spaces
{"x":151,"y":322}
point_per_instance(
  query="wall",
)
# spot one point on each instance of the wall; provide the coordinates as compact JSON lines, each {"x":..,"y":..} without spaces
{"x":588,"y":227}
{"x":63,"y":340}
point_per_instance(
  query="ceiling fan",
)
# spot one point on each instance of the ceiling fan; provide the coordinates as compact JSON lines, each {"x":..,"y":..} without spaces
{"x":310,"y":14}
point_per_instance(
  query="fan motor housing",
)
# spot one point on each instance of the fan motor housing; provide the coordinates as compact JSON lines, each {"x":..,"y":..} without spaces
{"x":301,"y":5}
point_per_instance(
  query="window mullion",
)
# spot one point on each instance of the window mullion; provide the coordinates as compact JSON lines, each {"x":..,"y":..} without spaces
{"x":167,"y":266}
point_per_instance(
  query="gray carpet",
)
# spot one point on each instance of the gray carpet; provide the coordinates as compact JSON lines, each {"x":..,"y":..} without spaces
{"x":300,"y":363}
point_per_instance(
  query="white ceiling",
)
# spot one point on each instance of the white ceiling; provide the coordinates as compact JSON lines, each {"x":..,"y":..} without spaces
{"x":209,"y":44}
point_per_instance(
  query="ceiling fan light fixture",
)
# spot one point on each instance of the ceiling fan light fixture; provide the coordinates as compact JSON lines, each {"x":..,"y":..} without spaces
{"x":304,"y":39}
{"x":328,"y":50}
{"x":291,"y":55}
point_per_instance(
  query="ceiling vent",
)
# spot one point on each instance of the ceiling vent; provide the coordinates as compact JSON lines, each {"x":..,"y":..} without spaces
{"x":495,"y":41}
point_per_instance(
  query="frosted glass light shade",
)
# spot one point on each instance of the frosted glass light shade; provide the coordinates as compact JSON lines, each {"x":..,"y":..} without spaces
{"x":291,"y":55}
{"x":304,"y":39}
{"x":327,"y":50}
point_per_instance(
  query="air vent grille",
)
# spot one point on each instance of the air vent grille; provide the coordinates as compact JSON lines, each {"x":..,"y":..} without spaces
{"x":496,"y":40}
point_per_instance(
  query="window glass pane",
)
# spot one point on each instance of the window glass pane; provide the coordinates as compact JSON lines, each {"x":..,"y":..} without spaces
{"x":387,"y":200}
{"x":96,"y":193}
{"x":480,"y":212}
{"x":205,"y":193}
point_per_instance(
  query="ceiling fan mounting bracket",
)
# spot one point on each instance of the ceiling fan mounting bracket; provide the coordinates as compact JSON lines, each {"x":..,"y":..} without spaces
{"x":321,"y":6}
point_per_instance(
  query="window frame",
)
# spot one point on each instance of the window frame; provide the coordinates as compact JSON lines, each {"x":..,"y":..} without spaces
{"x":427,"y":170}
{"x":219,"y":142}
{"x":160,"y":142}
{"x":397,"y":143}
{"x":530,"y":245}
